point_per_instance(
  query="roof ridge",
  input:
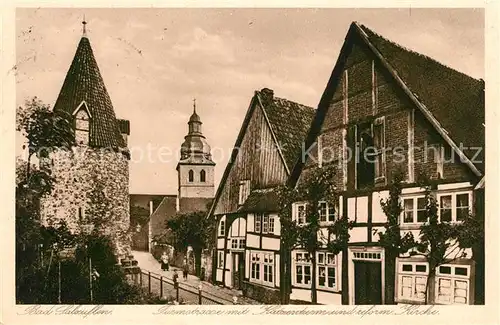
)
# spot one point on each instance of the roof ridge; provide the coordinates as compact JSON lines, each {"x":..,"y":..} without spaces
{"x":424,"y":56}
{"x":291,"y":101}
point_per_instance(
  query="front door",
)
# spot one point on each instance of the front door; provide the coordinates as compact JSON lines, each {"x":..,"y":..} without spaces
{"x":367,"y":283}
{"x":238,"y":270}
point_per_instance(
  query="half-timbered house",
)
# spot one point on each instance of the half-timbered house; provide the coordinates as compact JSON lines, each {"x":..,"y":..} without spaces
{"x":248,"y":231}
{"x":418,"y":117}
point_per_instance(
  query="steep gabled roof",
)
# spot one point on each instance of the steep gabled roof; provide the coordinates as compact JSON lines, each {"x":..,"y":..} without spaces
{"x":84,"y":82}
{"x":289,"y":123}
{"x":451,"y":101}
{"x":453,"y":98}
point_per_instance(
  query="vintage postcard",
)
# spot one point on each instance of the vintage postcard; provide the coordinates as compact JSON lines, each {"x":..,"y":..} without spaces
{"x":227,"y":163}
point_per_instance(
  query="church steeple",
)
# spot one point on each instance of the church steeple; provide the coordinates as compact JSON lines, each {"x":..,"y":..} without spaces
{"x":84,"y":98}
{"x":196,"y":167}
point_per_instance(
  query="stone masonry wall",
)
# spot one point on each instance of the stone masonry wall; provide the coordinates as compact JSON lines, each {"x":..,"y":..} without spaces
{"x":77,"y":172}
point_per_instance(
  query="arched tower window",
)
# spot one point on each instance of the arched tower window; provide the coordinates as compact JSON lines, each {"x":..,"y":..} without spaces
{"x":191,"y":176}
{"x":82,"y":127}
{"x":203,"y":176}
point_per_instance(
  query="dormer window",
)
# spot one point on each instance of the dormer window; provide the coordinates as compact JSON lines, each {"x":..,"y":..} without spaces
{"x":82,"y":126}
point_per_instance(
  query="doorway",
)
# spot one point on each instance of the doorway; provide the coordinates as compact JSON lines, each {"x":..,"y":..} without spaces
{"x":367,"y":283}
{"x":238,"y":270}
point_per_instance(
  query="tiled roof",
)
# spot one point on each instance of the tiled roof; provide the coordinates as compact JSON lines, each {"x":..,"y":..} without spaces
{"x":453,"y":98}
{"x":193,"y":204}
{"x":84,"y":83}
{"x":289,"y":122}
{"x":165,"y":211}
{"x":261,"y":200}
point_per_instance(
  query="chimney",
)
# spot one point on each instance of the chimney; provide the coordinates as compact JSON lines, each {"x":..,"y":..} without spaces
{"x":267,"y":93}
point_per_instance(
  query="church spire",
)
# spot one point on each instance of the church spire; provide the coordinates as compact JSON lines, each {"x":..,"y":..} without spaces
{"x":84,"y":23}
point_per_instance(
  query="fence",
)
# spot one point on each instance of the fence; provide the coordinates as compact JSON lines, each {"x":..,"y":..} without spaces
{"x":164,"y":287}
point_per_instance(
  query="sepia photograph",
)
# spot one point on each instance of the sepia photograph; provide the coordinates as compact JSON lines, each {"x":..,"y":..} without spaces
{"x":249,"y":156}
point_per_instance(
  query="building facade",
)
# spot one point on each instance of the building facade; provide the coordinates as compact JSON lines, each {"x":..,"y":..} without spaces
{"x":389,"y":110}
{"x":248,"y":233}
{"x":95,"y":171}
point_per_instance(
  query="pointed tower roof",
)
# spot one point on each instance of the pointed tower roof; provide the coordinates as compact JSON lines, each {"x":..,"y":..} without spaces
{"x":84,"y":87}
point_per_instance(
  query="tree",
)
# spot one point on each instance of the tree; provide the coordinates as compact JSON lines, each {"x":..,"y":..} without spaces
{"x":192,"y":229}
{"x":391,"y":239}
{"x":138,"y":216}
{"x":43,"y":129}
{"x":317,"y":185}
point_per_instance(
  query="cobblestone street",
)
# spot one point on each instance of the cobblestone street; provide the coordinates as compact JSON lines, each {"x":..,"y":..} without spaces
{"x":223,"y":295}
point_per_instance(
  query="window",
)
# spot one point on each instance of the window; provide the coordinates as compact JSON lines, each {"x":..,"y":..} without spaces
{"x":379,"y":144}
{"x":412,"y":279}
{"x":326,"y":212}
{"x":299,"y":213}
{"x":258,"y":220}
{"x":222,"y":227}
{"x":243,"y":243}
{"x":271,"y":225}
{"x":262,"y":268}
{"x":454,"y":207}
{"x":345,"y":96}
{"x":82,"y":127}
{"x":452,"y":284}
{"x":255,"y":267}
{"x":414,"y":210}
{"x":244,"y":191}
{"x":191,"y":176}
{"x":302,"y":269}
{"x":220,"y":260}
{"x":265,"y":224}
{"x":327,"y":270}
{"x":365,"y":156}
{"x":234,"y":243}
{"x":462,"y":209}
{"x":203,"y":176}
{"x":268,"y":268}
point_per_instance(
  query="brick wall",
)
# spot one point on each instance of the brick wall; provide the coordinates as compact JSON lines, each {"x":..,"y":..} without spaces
{"x":76,"y":172}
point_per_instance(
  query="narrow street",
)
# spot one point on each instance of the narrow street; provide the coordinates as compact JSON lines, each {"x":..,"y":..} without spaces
{"x":148,"y":263}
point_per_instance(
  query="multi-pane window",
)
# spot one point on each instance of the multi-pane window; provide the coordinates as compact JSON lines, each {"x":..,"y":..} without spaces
{"x":234,"y":243}
{"x":222,"y":227}
{"x":326,"y":212}
{"x":302,"y":269}
{"x":265,"y":223}
{"x":220,"y":260}
{"x":262,"y":268}
{"x":243,"y":243}
{"x":255,"y":266}
{"x":454,"y":207}
{"x":299,"y":213}
{"x":258,"y":221}
{"x":412,"y":279}
{"x":271,"y":225}
{"x":268,"y":266}
{"x":327,"y":265}
{"x":452,"y":284}
{"x":414,"y":210}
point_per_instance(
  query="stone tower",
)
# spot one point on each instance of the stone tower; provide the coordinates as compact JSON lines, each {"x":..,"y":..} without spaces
{"x":195,"y":168}
{"x":92,"y":179}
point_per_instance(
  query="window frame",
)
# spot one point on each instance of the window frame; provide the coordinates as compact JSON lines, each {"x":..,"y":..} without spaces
{"x":262,"y":265}
{"x":222,"y":227}
{"x":328,"y":212}
{"x":191,"y":176}
{"x":453,"y":278}
{"x":295,"y":213}
{"x":415,"y":210}
{"x":303,"y":263}
{"x":220,"y":259}
{"x":203,"y":176}
{"x":454,"y":206}
{"x":415,"y":276}
{"x":258,"y":223}
{"x":325,"y":263}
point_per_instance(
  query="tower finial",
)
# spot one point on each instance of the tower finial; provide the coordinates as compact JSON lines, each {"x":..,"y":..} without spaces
{"x":194,"y":105}
{"x":84,"y":23}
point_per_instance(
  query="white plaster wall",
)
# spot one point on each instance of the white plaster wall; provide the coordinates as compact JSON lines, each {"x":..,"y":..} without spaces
{"x":270,"y":243}
{"x":250,"y":222}
{"x":358,"y":234}
{"x":377,"y":214}
{"x":253,"y":241}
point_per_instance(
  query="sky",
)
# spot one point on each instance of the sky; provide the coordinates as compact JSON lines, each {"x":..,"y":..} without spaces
{"x":155,"y":61}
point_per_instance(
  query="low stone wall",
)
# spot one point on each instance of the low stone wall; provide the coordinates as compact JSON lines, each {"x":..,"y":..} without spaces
{"x":262,"y":294}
